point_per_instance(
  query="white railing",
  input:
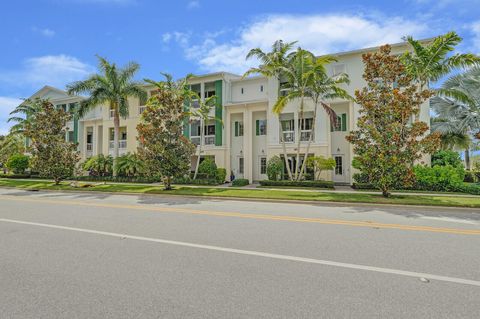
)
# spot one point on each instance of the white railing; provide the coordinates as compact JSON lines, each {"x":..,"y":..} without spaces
{"x":89,"y":147}
{"x":210,"y":140}
{"x":284,"y":92}
{"x":305,"y":135}
{"x":195,"y":140}
{"x":289,"y":136}
{"x":122,"y":144}
{"x":141,"y":109}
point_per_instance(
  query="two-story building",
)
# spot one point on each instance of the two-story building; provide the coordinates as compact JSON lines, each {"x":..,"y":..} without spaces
{"x":249,"y":132}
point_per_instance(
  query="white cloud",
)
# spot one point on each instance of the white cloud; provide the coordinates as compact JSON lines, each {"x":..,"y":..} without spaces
{"x":193,"y":4}
{"x":55,"y":70}
{"x":7,"y":104}
{"x":182,"y":38}
{"x":321,"y":34}
{"x":476,"y":36}
{"x":46,"y":32}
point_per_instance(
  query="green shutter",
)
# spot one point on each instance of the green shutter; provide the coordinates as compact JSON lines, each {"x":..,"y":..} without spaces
{"x":257,"y":127}
{"x":344,"y":122}
{"x":218,"y":113}
{"x":186,"y":120}
{"x":75,"y":128}
{"x":236,"y":129}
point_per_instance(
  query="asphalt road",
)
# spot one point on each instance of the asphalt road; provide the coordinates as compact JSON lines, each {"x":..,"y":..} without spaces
{"x":115,"y":256}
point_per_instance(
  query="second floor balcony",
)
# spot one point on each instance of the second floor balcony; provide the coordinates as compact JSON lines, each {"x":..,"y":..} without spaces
{"x":122,"y":144}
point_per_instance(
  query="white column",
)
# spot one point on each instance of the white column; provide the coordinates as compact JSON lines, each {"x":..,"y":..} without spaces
{"x":94,"y":139}
{"x":247,"y":142}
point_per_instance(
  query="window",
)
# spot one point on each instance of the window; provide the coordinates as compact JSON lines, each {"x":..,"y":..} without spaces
{"x":210,"y":129}
{"x":62,"y":106}
{"x":338,"y":165}
{"x":241,"y":90}
{"x":238,"y":128}
{"x":261,"y":88}
{"x":263,"y":165}
{"x":288,"y":130}
{"x":284,"y":88}
{"x":72,"y":107}
{"x":261,"y":127}
{"x":195,"y":132}
{"x":240,"y":165}
{"x":142,"y":101}
{"x":71,"y":136}
{"x":209,"y":93}
{"x":341,"y":124}
{"x":306,"y":126}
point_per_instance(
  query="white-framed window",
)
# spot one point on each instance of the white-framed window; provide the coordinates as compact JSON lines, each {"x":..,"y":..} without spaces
{"x":338,"y":69}
{"x":288,"y":130}
{"x":338,"y":165}
{"x":341,"y":125}
{"x":209,"y":131}
{"x":263,"y":165}
{"x":195,"y":132}
{"x":261,"y":88}
{"x":261,"y":127}
{"x":306,"y":127}
{"x":238,"y":128}
{"x":242,"y":90}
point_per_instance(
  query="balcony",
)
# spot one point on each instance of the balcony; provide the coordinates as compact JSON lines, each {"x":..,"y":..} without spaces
{"x":210,"y":140}
{"x":122,"y":144}
{"x":288,"y":136}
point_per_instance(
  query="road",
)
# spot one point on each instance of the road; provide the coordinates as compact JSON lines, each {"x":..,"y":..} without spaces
{"x":86,"y":255}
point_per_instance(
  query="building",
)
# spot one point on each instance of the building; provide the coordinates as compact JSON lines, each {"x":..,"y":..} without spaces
{"x":249,"y":133}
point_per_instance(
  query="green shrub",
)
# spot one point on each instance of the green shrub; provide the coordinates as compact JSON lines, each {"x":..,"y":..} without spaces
{"x":274,"y":168}
{"x":438,"y":178}
{"x":361,"y":178}
{"x":119,"y":179}
{"x":221,"y":175}
{"x":240,"y":182}
{"x":99,"y":165}
{"x":207,"y":169}
{"x":14,"y":176}
{"x":443,"y":158}
{"x":187,"y":180}
{"x":473,"y":189}
{"x":18,"y":163}
{"x":359,"y":185}
{"x":316,"y":184}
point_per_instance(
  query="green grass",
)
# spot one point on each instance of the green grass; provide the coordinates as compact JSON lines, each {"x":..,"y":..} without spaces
{"x":279,"y":194}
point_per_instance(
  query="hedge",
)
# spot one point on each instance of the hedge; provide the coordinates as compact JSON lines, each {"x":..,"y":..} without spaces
{"x":199,"y":181}
{"x":316,"y":184}
{"x":472,"y":189}
{"x":239,"y":182}
{"x":118,"y":179}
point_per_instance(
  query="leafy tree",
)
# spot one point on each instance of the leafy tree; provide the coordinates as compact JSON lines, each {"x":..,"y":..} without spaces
{"x":18,"y":163}
{"x":208,"y":168}
{"x":99,"y":165}
{"x":446,"y":157}
{"x":52,"y":155}
{"x":275,"y":168}
{"x":386,"y":142}
{"x":428,"y":62}
{"x":320,"y":164}
{"x":112,"y":86}
{"x":163,"y":147}
{"x":272,"y":64}
{"x":130,"y":165}
{"x":11,"y":144}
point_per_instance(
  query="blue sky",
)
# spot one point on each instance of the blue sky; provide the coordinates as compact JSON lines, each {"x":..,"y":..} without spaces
{"x":55,"y":41}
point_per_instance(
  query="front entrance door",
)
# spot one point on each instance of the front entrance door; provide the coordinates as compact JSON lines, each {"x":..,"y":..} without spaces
{"x":339,"y":171}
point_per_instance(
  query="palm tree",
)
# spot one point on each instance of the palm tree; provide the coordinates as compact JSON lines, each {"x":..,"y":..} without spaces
{"x":430,"y":62}
{"x":458,"y":109}
{"x":23,"y":114}
{"x":130,"y":165}
{"x":112,"y":86}
{"x":272,"y":65}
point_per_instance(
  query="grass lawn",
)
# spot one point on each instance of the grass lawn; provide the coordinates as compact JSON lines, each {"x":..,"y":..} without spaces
{"x":254,"y":193}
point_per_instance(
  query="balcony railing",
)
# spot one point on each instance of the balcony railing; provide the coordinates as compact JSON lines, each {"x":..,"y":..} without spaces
{"x":289,"y":136}
{"x":89,"y":147}
{"x":195,"y":140}
{"x":305,"y":135}
{"x":122,"y":144}
{"x":210,"y":140}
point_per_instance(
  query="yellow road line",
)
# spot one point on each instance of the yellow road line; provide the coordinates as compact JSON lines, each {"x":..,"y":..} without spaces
{"x":251,"y":216}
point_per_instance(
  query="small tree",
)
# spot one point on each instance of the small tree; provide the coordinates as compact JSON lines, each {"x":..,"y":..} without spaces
{"x":99,"y":165}
{"x":319,"y":164}
{"x":275,"y":168}
{"x":52,"y":155}
{"x":390,"y":138}
{"x":163,"y":147}
{"x":208,"y":169}
{"x":18,"y":163}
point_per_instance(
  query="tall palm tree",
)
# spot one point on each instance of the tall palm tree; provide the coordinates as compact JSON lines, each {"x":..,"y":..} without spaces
{"x":458,"y":108}
{"x":112,"y":86}
{"x":23,"y":114}
{"x":431,"y":61}
{"x":272,"y":65}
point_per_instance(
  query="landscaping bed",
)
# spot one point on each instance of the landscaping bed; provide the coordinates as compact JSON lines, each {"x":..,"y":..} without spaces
{"x":286,"y":183}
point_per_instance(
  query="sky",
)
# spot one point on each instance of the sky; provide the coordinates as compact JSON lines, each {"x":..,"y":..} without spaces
{"x":54,"y":42}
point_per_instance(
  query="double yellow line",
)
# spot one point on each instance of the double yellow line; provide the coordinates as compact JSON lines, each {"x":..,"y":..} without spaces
{"x":352,"y":223}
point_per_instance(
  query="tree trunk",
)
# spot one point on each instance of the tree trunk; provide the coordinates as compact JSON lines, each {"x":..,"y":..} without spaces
{"x":289,"y":171}
{"x":467,"y":159}
{"x":116,"y":132}
{"x":304,"y":164}
{"x":199,"y":149}
{"x":385,"y":193}
{"x":167,"y":182}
